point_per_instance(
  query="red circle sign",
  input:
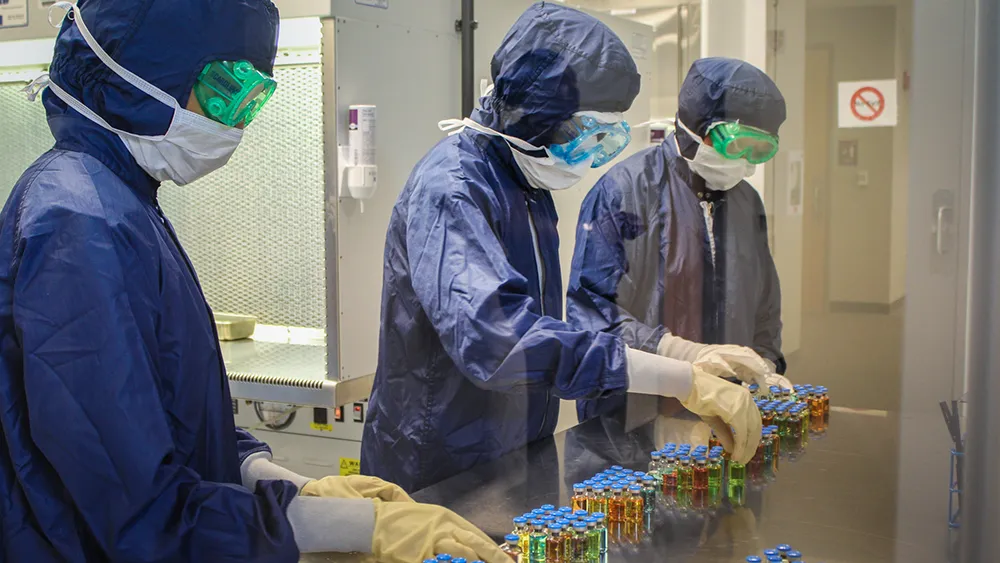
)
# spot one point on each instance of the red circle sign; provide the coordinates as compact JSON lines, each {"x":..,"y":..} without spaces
{"x":867,"y":104}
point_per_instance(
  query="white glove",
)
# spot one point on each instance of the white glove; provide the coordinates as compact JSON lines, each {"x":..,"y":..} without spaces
{"x":747,"y":365}
{"x":779,"y":380}
{"x":727,"y":407}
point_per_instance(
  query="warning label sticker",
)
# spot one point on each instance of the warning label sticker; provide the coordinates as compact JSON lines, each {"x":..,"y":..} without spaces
{"x":349,"y":466}
{"x":867,"y":104}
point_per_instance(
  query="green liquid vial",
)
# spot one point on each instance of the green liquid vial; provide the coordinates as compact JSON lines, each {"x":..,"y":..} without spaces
{"x":536,"y":544}
{"x":581,"y":542}
{"x":685,"y":475}
{"x":737,"y":473}
{"x":714,"y":473}
{"x":602,"y":531}
{"x":649,"y":490}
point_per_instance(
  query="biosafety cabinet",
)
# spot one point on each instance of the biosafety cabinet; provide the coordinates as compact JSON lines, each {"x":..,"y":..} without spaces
{"x":276,"y":235}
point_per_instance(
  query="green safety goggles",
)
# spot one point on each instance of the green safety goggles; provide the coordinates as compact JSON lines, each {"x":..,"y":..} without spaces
{"x":735,"y":141}
{"x":233,"y":93}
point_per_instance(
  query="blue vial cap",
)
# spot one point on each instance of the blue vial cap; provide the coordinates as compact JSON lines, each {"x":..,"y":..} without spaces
{"x":794,"y":554}
{"x":430,"y":561}
{"x":590,"y":520}
{"x":617,"y":488}
{"x":563,"y":521}
{"x":458,"y":560}
{"x":753,"y":559}
{"x":774,"y":559}
{"x":443,"y":557}
{"x":770,"y":552}
{"x":555,"y":527}
{"x":627,"y":471}
{"x":580,"y":525}
{"x":631,"y":479}
{"x":537,"y":523}
{"x":670,"y":445}
{"x":548,"y":507}
{"x":598,"y":515}
{"x":581,"y":513}
{"x":579,"y":486}
{"x":655,"y":454}
{"x":549,"y":518}
{"x":784,"y":547}
{"x":478,"y":561}
{"x":598,"y":488}
{"x":520,"y":521}
{"x":538,"y":512}
{"x":616,"y":467}
{"x":754,"y":387}
{"x":512,"y":538}
{"x":635,"y":489}
{"x":588,"y":483}
{"x":565,"y":509}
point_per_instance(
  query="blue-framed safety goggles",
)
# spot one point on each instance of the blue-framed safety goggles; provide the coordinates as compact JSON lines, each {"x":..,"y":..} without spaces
{"x":592,"y":135}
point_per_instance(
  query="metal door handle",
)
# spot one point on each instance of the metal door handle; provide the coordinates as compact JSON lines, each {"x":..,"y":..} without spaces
{"x":939,"y":229}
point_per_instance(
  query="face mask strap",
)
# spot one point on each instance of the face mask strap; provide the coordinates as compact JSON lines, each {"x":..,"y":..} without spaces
{"x":121,"y":71}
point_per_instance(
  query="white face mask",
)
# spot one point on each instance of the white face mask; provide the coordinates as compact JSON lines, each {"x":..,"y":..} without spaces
{"x":193,"y":145}
{"x":542,"y":173}
{"x":719,"y":172}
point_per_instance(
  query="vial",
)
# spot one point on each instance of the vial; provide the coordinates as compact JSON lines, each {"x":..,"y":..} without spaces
{"x":804,"y":419}
{"x":555,"y":546}
{"x":767,"y":415}
{"x":700,"y":477}
{"x":600,"y":502}
{"x":655,"y":469}
{"x":794,"y":556}
{"x":593,"y":541}
{"x":737,"y":473}
{"x":649,"y":494}
{"x":634,"y":509}
{"x":768,"y":458}
{"x":769,"y":553}
{"x":616,"y":505}
{"x":536,"y":550}
{"x":783,"y":550}
{"x":714,"y":471}
{"x":775,"y":393}
{"x":777,"y":447}
{"x":602,"y":530}
{"x":754,"y":467}
{"x":669,"y":475}
{"x":580,"y":543}
{"x":523,"y":533}
{"x":547,"y":509}
{"x":511,"y":548}
{"x":737,"y":494}
{"x":579,"y":497}
{"x":685,"y":475}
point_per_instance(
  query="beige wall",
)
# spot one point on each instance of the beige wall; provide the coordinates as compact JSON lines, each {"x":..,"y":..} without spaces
{"x":864,"y":45}
{"x":901,"y":161}
{"x":787,"y":66}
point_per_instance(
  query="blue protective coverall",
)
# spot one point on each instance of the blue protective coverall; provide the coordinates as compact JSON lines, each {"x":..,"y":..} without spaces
{"x":118,"y":440}
{"x":473,"y":353}
{"x":657,"y":251}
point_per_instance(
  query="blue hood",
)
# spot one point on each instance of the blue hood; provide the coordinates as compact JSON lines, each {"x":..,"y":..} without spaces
{"x":720,"y":89}
{"x":165,"y":43}
{"x":554,"y":62}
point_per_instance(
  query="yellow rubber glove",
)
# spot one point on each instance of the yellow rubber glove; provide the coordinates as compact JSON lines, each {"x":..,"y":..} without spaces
{"x":409,"y":532}
{"x":355,"y":486}
{"x":728,"y":408}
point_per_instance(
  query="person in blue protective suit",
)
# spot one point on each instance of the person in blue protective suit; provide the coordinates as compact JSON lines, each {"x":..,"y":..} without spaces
{"x":118,"y":442}
{"x":671,"y":247}
{"x":473,"y":354}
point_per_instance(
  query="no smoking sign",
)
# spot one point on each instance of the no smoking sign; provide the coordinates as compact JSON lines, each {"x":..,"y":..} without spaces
{"x":867,"y":104}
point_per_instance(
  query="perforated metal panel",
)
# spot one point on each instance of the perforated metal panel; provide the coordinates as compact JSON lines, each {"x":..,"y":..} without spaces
{"x":24,"y":135}
{"x":255,"y":229}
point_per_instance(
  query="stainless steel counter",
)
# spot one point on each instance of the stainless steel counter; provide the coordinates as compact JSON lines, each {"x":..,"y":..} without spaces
{"x":835,"y":503}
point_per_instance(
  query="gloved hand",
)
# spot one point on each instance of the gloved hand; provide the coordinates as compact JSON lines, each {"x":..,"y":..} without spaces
{"x":747,"y":365}
{"x":355,"y":486}
{"x":407,"y":532}
{"x":777,"y":379}
{"x":727,"y":407}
